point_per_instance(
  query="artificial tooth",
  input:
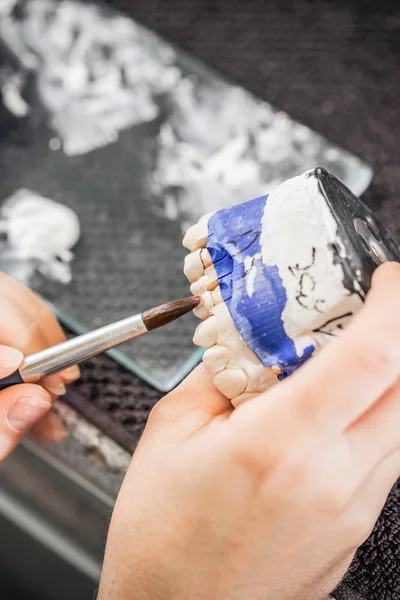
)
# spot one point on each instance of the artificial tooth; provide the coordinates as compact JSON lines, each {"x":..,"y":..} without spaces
{"x":231,"y":382}
{"x":206,"y":333}
{"x":216,"y":358}
{"x":193,"y":266}
{"x":203,"y":311}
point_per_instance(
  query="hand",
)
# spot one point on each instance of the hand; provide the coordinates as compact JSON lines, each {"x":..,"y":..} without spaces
{"x":271,"y":500}
{"x":27,"y":326}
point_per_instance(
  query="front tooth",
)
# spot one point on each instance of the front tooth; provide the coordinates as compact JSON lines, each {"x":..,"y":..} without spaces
{"x":211,"y":274}
{"x":206,"y":333}
{"x":196,"y":236}
{"x":230,"y":382}
{"x":207,"y":301}
{"x":208,"y":282}
{"x":193,"y":266}
{"x":200,"y":286}
{"x":216,"y":358}
{"x":205,"y":257}
{"x":216,"y":296}
{"x":242,"y":398}
{"x":203,"y":311}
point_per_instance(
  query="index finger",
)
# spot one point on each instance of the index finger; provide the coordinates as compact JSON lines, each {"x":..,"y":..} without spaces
{"x":343,"y":381}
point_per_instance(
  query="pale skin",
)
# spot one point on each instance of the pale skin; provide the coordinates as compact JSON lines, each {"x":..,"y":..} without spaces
{"x":27,"y":326}
{"x":268,"y":501}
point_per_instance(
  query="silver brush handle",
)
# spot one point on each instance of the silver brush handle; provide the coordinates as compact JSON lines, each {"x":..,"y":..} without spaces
{"x":78,"y":349}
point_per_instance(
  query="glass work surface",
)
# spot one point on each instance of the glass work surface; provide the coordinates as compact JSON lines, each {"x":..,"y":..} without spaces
{"x":102,"y":116}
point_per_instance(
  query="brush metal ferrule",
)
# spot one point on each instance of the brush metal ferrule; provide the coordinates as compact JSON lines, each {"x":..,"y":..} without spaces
{"x":78,"y":349}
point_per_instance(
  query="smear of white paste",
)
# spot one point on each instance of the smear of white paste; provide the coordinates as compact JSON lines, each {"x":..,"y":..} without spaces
{"x":96,"y":444}
{"x":221,"y":146}
{"x":298,"y":231}
{"x":39,"y":236}
{"x":97,"y":72}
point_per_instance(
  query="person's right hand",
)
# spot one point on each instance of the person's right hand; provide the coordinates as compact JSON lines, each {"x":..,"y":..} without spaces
{"x":271,"y":500}
{"x":27,"y":326}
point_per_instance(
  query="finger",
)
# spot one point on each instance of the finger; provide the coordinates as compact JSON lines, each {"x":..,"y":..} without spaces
{"x":40,"y":314}
{"x":370,"y":498}
{"x":18,"y":329}
{"x":376,"y":489}
{"x":50,"y":428}
{"x":21,"y":330}
{"x":344,"y":380}
{"x":376,"y":434}
{"x":10,"y":360}
{"x":198,"y":392}
{"x":21,"y":407}
{"x":33,"y":306}
{"x":191,"y":406}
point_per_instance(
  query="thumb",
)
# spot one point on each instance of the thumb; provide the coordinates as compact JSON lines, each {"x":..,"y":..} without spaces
{"x":21,"y":406}
{"x":10,"y":360}
{"x":194,"y":404}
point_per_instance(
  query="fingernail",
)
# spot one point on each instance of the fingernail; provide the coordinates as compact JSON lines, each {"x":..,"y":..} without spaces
{"x":24,"y":413}
{"x":10,"y":358}
{"x":58,"y":430}
{"x":55,"y":386}
{"x":71,"y":374}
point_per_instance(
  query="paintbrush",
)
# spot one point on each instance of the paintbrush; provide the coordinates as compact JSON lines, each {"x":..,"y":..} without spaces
{"x":73,"y":351}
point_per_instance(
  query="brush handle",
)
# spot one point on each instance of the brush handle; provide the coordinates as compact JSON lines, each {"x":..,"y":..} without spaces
{"x":69,"y":353}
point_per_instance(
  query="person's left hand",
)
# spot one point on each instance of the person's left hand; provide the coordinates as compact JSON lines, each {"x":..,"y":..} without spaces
{"x":27,"y":326}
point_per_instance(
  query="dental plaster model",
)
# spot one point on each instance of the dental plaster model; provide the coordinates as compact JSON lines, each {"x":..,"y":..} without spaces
{"x":280,"y":276}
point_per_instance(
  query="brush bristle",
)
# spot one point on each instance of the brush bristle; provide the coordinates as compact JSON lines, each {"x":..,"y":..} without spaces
{"x":166,"y":313}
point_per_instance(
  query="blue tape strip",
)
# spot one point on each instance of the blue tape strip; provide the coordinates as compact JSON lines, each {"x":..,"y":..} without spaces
{"x":234,"y":247}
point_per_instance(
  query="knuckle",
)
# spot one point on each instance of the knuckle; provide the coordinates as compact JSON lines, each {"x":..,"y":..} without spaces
{"x":297,"y":470}
{"x":385,"y":275}
{"x":45,"y":314}
{"x":330,"y":499}
{"x":355,"y":527}
{"x":33,"y":333}
{"x":161,"y":413}
{"x":257,"y":464}
{"x":381,"y":360}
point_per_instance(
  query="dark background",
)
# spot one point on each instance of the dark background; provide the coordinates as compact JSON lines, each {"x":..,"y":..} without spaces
{"x":333,"y":65}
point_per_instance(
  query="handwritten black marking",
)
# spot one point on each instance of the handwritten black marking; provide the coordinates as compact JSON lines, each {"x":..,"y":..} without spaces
{"x":248,"y":269}
{"x":297,"y":267}
{"x":331,"y":322}
{"x":242,"y":235}
{"x":306,"y":280}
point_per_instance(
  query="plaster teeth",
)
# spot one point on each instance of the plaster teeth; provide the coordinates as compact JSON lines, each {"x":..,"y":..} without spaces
{"x":206,"y":283}
{"x":212,"y":278}
{"x":196,"y":235}
{"x":206,"y":333}
{"x":216,"y":358}
{"x":231,"y":382}
{"x":243,"y":398}
{"x":238,"y":373}
{"x":205,"y":257}
{"x":203,"y":311}
{"x":193,"y":267}
{"x":200,"y":286}
{"x":216,"y":296}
